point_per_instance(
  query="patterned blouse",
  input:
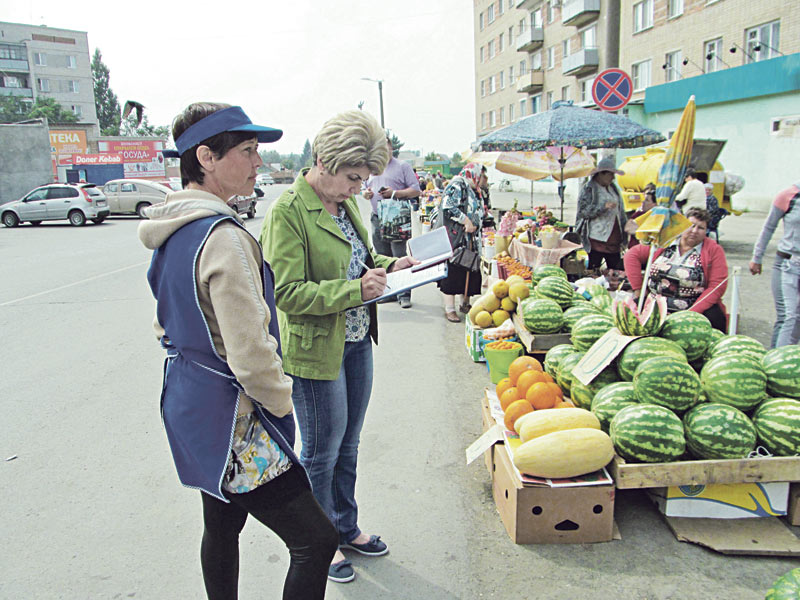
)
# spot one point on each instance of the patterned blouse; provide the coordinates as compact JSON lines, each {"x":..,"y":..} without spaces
{"x":356,"y":319}
{"x":255,"y":458}
{"x":679,"y":278}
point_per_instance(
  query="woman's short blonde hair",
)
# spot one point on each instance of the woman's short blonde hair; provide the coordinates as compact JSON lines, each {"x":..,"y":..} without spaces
{"x":351,"y":139}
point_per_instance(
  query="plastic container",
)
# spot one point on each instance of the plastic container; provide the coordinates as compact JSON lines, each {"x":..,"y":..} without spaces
{"x":500,"y":360}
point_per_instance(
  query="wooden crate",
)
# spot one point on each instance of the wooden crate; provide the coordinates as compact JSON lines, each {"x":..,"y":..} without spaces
{"x":537,"y":343}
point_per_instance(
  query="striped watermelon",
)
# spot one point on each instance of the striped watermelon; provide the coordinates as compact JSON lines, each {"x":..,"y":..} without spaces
{"x":666,"y":381}
{"x":569,"y":362}
{"x":782,"y":366}
{"x":542,"y":315}
{"x":740,"y":344}
{"x":734,"y":379}
{"x":590,"y":328}
{"x":578,"y":298}
{"x":582,"y":394}
{"x":628,"y":320}
{"x":595,"y":290}
{"x":543,"y":271}
{"x":554,"y":356}
{"x":647,"y":433}
{"x":603,"y":302}
{"x":715,"y":431}
{"x":576,"y":311}
{"x":556,"y":288}
{"x":786,"y":587}
{"x":640,"y":350}
{"x":690,"y":330}
{"x":608,"y":401}
{"x":716,"y":335}
{"x":777,"y":422}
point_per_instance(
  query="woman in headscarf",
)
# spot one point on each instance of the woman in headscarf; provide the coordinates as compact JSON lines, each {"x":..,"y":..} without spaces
{"x":461,"y":214}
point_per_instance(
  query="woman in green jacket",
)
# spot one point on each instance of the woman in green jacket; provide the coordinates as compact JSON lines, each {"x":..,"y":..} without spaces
{"x":317,"y":244}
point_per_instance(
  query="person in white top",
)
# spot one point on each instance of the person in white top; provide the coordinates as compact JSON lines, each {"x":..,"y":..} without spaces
{"x":692,"y":194}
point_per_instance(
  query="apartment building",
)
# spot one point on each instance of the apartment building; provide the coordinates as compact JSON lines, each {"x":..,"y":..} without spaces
{"x":40,"y":61}
{"x":530,"y":53}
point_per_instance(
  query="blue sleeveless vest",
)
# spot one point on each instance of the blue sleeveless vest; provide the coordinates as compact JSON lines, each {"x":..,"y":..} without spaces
{"x":200,"y":394}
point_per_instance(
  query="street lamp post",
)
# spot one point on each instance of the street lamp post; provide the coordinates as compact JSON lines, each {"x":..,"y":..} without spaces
{"x":380,"y":94}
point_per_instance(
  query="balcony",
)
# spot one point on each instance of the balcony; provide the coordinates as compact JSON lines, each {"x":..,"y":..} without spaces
{"x":527,"y":4}
{"x":579,"y":12}
{"x":22,"y":92}
{"x":530,"y":40}
{"x":582,"y":62}
{"x":531,"y":82}
{"x":13,"y":64}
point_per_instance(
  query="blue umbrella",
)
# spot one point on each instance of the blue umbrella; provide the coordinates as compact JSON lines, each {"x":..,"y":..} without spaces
{"x":568,"y":125}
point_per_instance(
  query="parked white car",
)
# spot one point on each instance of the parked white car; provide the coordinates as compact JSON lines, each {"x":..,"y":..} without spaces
{"x":75,"y":202}
{"x":264,"y":179}
{"x":132,"y":196}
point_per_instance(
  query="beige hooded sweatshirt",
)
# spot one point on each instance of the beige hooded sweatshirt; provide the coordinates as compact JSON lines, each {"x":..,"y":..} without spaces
{"x":229,"y":289}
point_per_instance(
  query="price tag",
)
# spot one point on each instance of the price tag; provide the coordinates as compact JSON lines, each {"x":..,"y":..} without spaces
{"x":600,"y":355}
{"x":489,"y":438}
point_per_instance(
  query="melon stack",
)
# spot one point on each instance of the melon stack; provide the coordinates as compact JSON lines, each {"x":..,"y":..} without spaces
{"x":495,"y":307}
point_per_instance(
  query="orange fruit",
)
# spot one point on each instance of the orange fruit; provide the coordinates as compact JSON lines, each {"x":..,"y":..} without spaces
{"x":509,"y":396}
{"x":564,"y":404}
{"x":542,"y":395}
{"x":520,"y":365}
{"x":556,"y":389}
{"x":514,"y":411}
{"x":528,"y":378}
{"x":502,"y":386}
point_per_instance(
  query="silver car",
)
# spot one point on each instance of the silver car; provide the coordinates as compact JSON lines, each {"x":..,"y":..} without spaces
{"x":76,"y":202}
{"x":132,"y":196}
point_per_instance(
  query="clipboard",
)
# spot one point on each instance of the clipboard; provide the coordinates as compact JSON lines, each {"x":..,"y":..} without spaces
{"x":430,"y":248}
{"x":408,"y":279}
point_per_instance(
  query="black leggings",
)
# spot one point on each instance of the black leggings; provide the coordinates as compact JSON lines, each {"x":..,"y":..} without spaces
{"x":613,"y":260}
{"x":285,"y":505}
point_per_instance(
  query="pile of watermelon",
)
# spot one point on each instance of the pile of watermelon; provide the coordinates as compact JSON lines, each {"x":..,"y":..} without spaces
{"x":686,"y":392}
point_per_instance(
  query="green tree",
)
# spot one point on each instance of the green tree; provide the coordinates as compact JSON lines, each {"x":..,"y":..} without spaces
{"x":270,"y":156}
{"x":396,"y":144}
{"x":305,"y":157}
{"x":456,"y":162}
{"x":13,"y":109}
{"x":432,"y":156}
{"x":105,"y":100}
{"x":144,"y":129}
{"x":52,"y":110}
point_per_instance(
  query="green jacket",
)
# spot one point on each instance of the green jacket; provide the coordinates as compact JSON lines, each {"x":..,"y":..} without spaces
{"x":310,"y":255}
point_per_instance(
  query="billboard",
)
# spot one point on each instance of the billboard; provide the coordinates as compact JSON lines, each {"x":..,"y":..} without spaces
{"x":68,"y":142}
{"x":140,"y":158}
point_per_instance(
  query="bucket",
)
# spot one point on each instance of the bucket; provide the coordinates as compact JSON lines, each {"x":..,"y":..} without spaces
{"x":500,"y":360}
{"x":550,"y":239}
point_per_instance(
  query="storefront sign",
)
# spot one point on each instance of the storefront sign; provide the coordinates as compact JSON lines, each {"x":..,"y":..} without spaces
{"x":96,"y":159}
{"x":141,"y":158}
{"x":68,"y":142}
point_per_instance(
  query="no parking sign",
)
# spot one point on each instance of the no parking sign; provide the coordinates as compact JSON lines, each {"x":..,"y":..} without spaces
{"x":612,"y":89}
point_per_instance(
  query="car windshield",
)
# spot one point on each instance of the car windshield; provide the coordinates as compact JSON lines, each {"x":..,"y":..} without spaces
{"x":93,"y":191}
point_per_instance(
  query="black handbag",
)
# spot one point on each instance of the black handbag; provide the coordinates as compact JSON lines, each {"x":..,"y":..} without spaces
{"x":464,"y":256}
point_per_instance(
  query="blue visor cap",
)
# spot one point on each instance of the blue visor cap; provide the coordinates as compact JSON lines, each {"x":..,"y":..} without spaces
{"x":227,"y":119}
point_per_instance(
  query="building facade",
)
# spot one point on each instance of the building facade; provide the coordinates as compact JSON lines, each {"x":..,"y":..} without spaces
{"x":531,"y":53}
{"x":46,"y":62}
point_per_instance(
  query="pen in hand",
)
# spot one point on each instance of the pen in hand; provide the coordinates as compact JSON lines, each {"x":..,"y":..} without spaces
{"x":361,"y":262}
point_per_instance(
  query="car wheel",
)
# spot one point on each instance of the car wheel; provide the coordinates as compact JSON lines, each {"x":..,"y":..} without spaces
{"x":34,"y":223}
{"x":140,"y":210}
{"x":77,"y":218}
{"x":251,"y":214}
{"x":98,"y":220}
{"x":10,"y":219}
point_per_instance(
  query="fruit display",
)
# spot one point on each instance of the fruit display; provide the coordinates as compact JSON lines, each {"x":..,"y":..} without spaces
{"x":495,"y":307}
{"x":777,"y":423}
{"x":611,"y":399}
{"x":503,"y":345}
{"x":543,"y":271}
{"x":715,"y":431}
{"x":553,"y":357}
{"x":630,"y":322}
{"x":737,"y":344}
{"x":555,"y":288}
{"x":590,"y":328}
{"x":542,"y":315}
{"x":526,"y":389}
{"x":690,"y":330}
{"x":734,"y":379}
{"x":647,"y":433}
{"x":565,"y":453}
{"x":641,"y":349}
{"x":782,"y":367}
{"x":582,"y":394}
{"x":541,"y":422}
{"x":565,"y":367}
{"x":507,"y":265}
{"x":666,"y":381}
{"x":576,"y":311}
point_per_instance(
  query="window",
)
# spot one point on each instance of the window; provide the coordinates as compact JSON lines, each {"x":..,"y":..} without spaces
{"x":72,"y":62}
{"x":491,"y":49}
{"x":511,"y":78}
{"x":483,"y":55}
{"x":536,"y":18}
{"x":586,"y":90}
{"x":511,"y":36}
{"x":10,"y":81}
{"x":672,"y":66}
{"x":536,"y":61}
{"x":565,"y":93}
{"x":762,"y":41}
{"x":77,"y":110}
{"x":73,"y":86}
{"x":12,"y":52}
{"x":492,"y":119}
{"x":510,"y":4}
{"x":61,"y":192}
{"x":588,"y":37}
{"x":642,"y":15}
{"x":674,"y":8}
{"x":43,"y":84}
{"x":40,"y":59}
{"x":565,"y":49}
{"x":522,"y":27}
{"x":640,"y":73}
{"x":551,"y":13}
{"x":536,"y":104}
{"x":551,"y":57}
{"x":549,"y":100}
{"x":502,"y":115}
{"x":502,"y":76}
{"x":523,"y":68}
{"x":483,"y":121}
{"x":128,"y":187}
{"x":492,"y":85}
{"x":712,"y":50}
{"x":483,"y":88}
{"x":511,"y":113}
{"x":490,"y":13}
{"x":522,"y":108}
{"x":501,"y":42}
{"x":500,"y":8}
{"x":480,"y":20}
{"x":112,"y":187}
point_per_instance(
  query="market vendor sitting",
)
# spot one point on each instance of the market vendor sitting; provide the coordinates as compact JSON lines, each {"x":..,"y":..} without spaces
{"x":691,"y":273}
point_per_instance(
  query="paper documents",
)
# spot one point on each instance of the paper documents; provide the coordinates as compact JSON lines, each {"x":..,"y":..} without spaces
{"x":430,"y":248}
{"x":406,"y":279}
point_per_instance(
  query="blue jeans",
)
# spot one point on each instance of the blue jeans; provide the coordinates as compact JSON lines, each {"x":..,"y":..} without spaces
{"x":330,"y":415}
{"x":786,"y":292}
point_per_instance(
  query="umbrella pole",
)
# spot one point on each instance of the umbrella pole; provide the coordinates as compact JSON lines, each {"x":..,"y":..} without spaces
{"x":734,"y":315}
{"x":561,"y":162}
{"x":531,"y":194}
{"x":643,"y":290}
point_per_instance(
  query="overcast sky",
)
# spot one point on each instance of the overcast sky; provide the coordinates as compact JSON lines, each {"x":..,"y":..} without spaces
{"x":290,"y":64}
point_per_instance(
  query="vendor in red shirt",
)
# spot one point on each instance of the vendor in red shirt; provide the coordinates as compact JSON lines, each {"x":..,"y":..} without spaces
{"x":691,"y":273}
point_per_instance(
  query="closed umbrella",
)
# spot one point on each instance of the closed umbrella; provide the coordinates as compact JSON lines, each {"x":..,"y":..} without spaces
{"x":566,"y":125}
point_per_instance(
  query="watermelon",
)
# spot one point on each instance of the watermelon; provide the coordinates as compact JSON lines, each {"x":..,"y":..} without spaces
{"x":595,"y":290}
{"x":782,"y":366}
{"x":640,"y":350}
{"x":690,"y":330}
{"x":786,"y":587}
{"x":602,"y":302}
{"x":734,"y":379}
{"x":554,"y":356}
{"x":543,"y":271}
{"x":578,"y":298}
{"x":718,"y":431}
{"x":777,"y":422}
{"x":564,"y":378}
{"x":590,"y":328}
{"x":556,"y":288}
{"x":542,"y":315}
{"x":628,"y":320}
{"x":666,"y":381}
{"x":582,"y":394}
{"x":576,"y":311}
{"x":716,"y":335}
{"x":608,"y":401}
{"x":740,"y":344}
{"x":647,"y":433}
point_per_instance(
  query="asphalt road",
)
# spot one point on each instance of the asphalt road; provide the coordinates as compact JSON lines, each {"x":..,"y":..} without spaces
{"x":92,"y":508}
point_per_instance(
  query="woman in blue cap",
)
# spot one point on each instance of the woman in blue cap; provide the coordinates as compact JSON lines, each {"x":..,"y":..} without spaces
{"x":226,"y":402}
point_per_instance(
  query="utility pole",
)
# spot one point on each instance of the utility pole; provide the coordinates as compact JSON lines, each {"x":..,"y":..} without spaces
{"x":380,"y":95}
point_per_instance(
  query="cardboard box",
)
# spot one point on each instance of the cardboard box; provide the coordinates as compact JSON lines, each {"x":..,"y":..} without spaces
{"x":793,"y":511}
{"x":473,"y":341}
{"x":537,"y":343}
{"x":545,"y":515}
{"x":487,"y":421}
{"x":723,"y":500}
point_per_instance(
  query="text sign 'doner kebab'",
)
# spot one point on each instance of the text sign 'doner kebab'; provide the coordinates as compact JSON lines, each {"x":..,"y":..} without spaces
{"x":612,"y":89}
